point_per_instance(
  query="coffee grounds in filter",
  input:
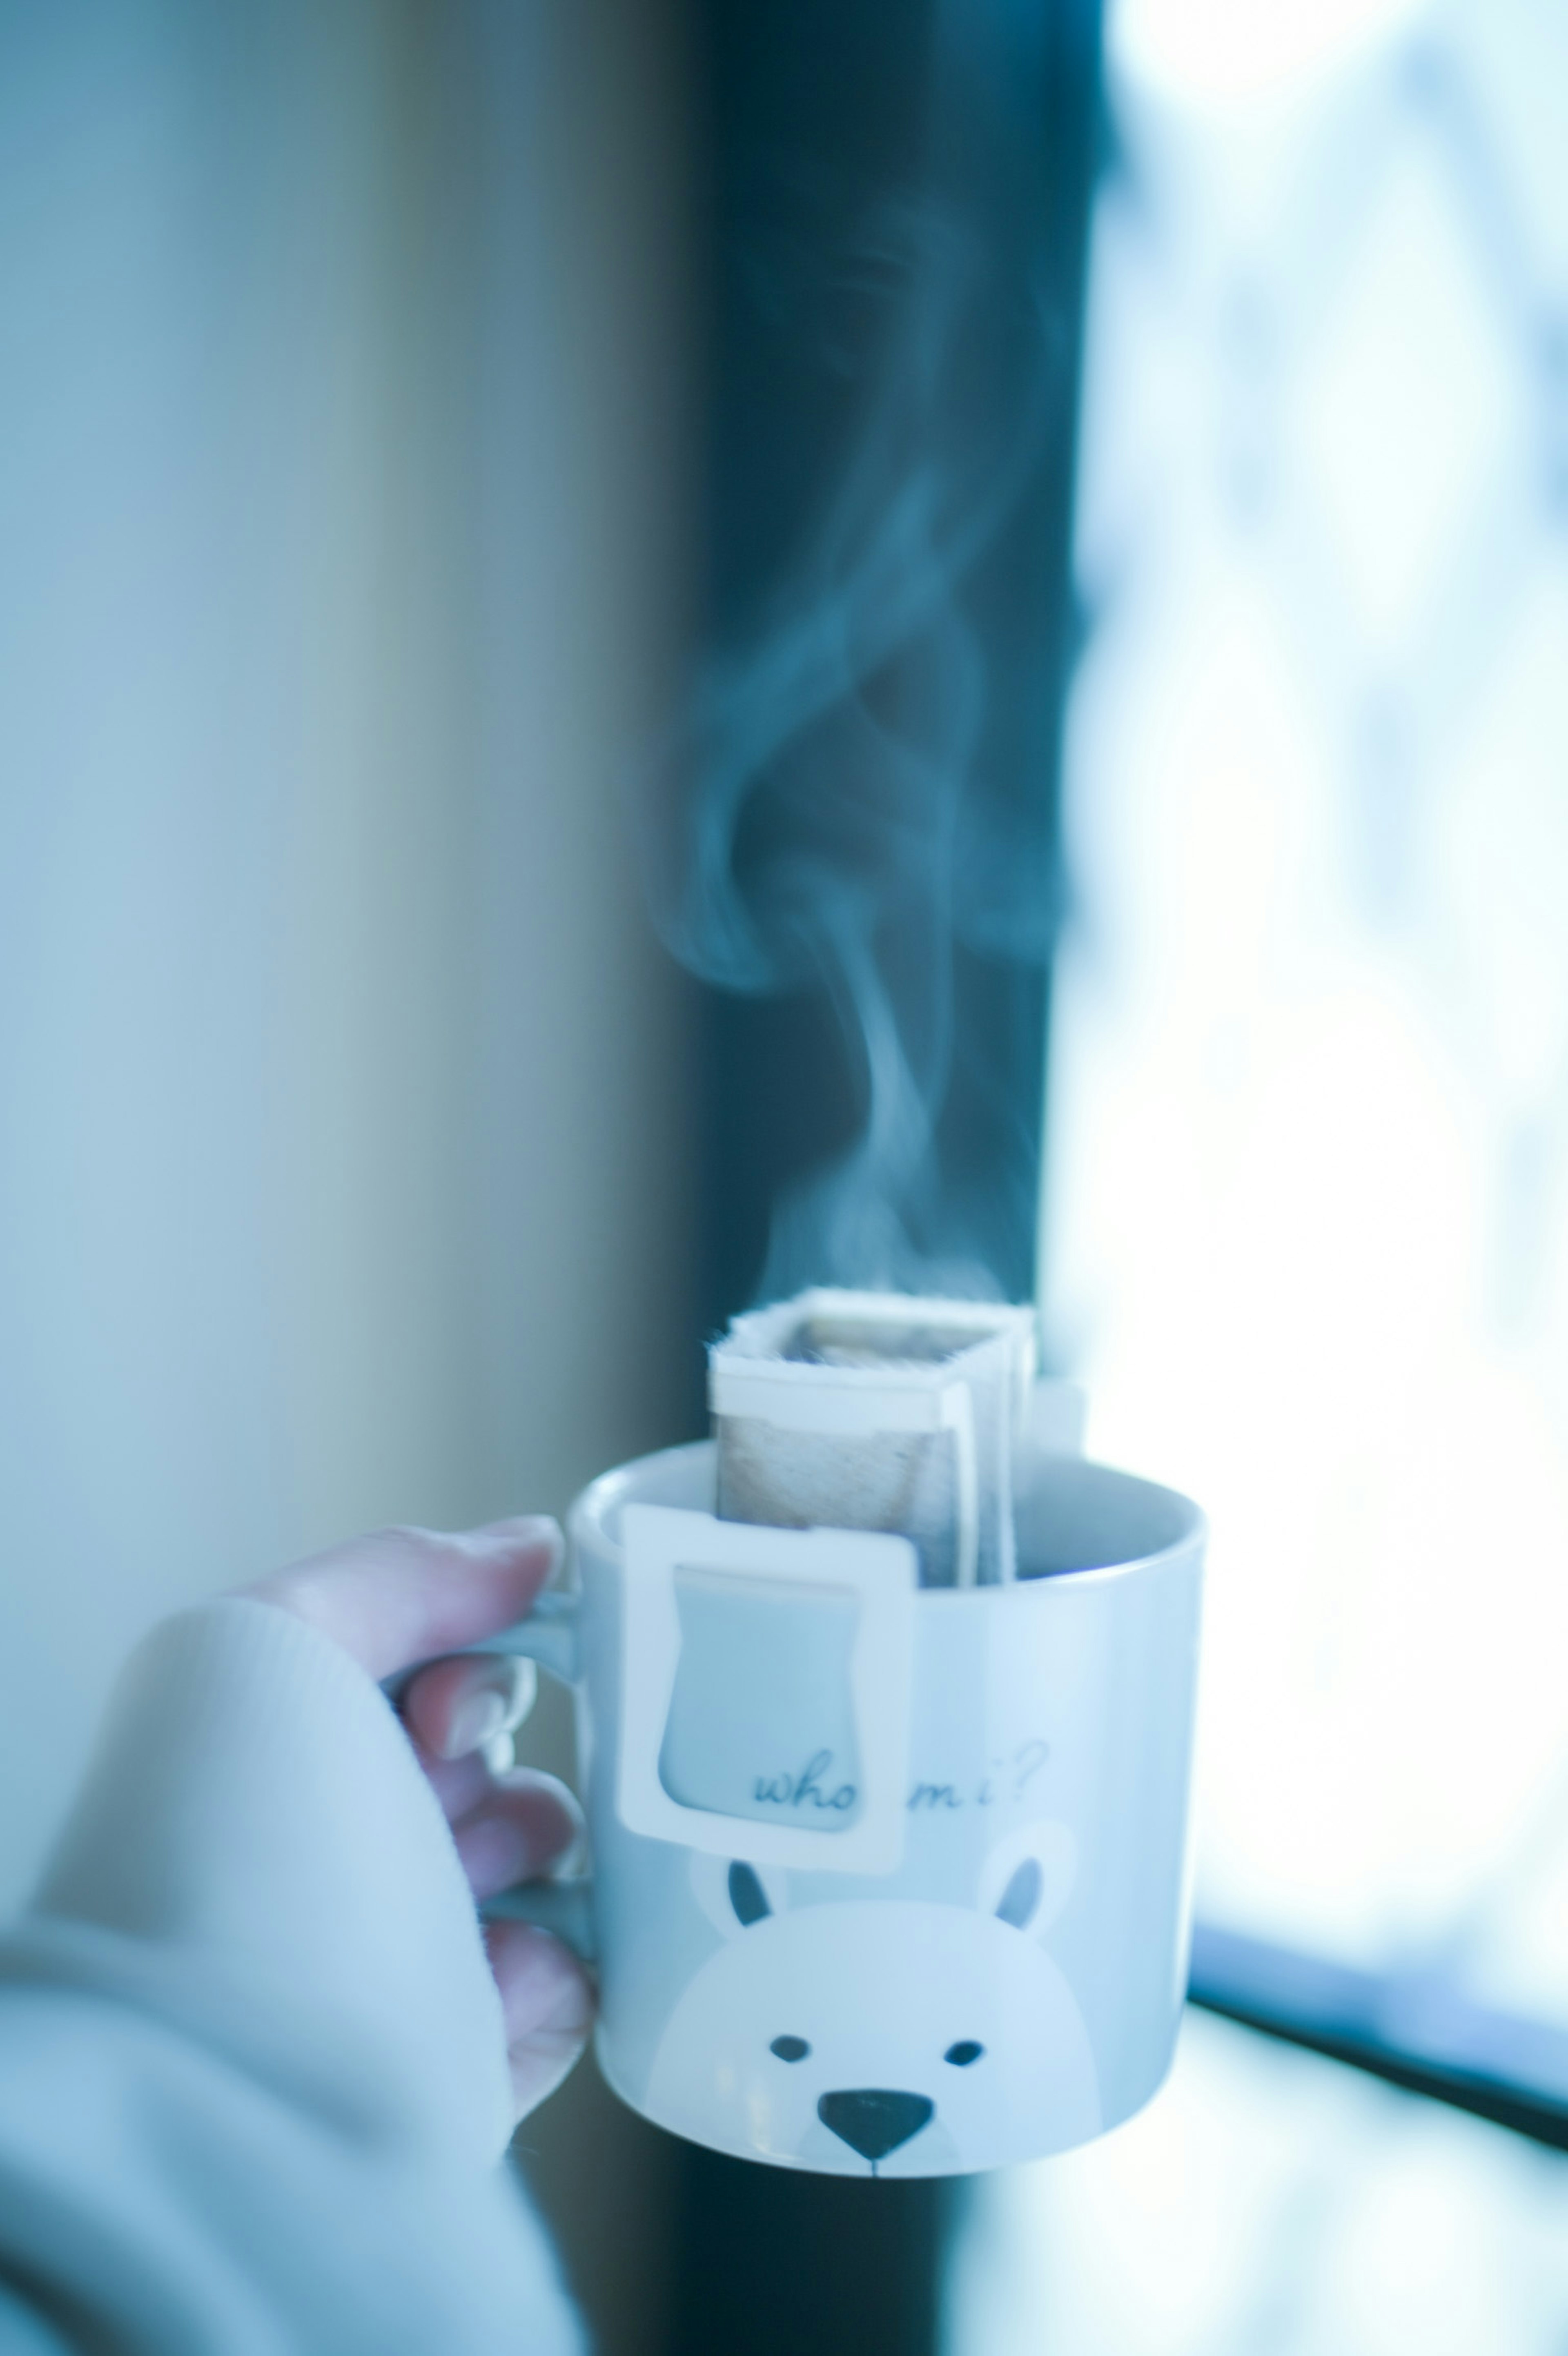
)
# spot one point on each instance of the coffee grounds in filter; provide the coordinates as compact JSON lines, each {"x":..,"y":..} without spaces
{"x":821,"y":1340}
{"x":878,"y":1411}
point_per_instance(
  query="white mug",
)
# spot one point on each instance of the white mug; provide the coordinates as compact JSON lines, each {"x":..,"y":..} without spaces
{"x":888,"y":1880}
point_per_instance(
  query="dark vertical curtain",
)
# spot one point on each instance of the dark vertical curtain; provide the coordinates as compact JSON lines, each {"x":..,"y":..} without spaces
{"x":854,"y":149}
{"x":862,"y":163}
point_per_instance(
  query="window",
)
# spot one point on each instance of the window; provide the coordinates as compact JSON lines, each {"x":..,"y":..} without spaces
{"x":1307,"y":1212}
{"x":1308,"y":1226}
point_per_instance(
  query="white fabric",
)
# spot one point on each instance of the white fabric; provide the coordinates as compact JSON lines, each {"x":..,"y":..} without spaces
{"x":252,"y":2071}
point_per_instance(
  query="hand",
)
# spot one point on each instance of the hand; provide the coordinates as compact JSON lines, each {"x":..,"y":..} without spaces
{"x":409,"y":1595}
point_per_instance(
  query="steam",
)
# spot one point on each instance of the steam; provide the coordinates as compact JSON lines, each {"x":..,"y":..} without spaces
{"x":822,"y":832}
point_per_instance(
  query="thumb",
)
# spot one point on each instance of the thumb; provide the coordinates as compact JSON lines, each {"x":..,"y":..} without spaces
{"x":408,"y":1595}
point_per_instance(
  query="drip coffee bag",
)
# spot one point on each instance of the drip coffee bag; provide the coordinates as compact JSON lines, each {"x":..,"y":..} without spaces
{"x":878,"y":1411}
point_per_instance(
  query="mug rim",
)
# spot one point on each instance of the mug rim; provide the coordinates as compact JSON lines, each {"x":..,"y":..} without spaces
{"x":586,"y":1522}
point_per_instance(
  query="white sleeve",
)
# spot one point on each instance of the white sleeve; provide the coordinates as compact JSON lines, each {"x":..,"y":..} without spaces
{"x":252,"y":2071}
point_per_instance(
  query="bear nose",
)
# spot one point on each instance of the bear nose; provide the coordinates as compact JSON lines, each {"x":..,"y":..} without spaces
{"x":872,"y":2121}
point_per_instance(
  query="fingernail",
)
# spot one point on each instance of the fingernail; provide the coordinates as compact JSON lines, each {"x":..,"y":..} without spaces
{"x":533,"y":1529}
{"x":478,"y":1720}
{"x":493,"y":1708}
{"x":569,"y":2017}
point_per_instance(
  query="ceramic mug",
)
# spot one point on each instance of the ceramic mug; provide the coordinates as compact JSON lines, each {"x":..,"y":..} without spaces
{"x":886,"y":1879}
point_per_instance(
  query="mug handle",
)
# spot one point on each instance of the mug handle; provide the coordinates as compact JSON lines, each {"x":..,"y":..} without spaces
{"x":550,"y":1636}
{"x":565,"y":1909}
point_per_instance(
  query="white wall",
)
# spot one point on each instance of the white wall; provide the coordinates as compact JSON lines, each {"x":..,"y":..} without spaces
{"x":342,"y":1123}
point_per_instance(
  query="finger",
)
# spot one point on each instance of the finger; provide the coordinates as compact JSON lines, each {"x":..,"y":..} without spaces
{"x":523,"y":1826}
{"x":540,"y":1823}
{"x":548,"y":2006}
{"x":459,"y":1783}
{"x":406,"y":1595}
{"x":459,"y":1705}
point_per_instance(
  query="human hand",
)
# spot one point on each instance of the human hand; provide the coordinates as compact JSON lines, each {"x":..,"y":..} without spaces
{"x":409,"y":1595}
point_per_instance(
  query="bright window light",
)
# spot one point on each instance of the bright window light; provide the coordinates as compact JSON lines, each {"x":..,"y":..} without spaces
{"x":1203,"y":51}
{"x":1306,"y":1225}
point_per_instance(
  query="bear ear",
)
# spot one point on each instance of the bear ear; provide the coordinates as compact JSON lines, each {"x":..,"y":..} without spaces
{"x":1025,"y":1878}
{"x":733,"y":1894}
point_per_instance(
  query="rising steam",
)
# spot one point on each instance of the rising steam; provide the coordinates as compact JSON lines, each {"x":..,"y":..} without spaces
{"x":820,"y":834}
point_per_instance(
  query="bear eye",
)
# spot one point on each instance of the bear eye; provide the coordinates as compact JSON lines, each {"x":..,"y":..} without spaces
{"x":794,"y":2049}
{"x":961,"y":2055}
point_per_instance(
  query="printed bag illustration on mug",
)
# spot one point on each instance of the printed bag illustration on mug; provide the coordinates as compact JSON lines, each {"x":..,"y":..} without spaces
{"x":882,"y":2036}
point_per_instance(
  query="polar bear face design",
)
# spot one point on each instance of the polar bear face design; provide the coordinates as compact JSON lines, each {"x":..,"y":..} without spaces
{"x":882,"y":2037}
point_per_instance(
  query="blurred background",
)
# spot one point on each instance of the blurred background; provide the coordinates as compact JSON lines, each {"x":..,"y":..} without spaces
{"x":426,"y":421}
